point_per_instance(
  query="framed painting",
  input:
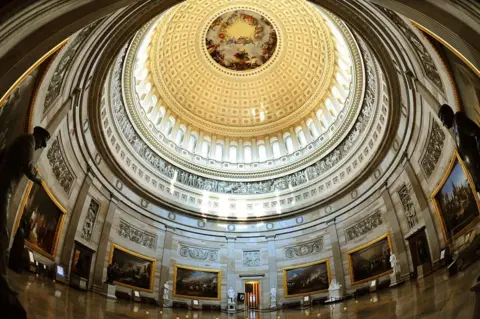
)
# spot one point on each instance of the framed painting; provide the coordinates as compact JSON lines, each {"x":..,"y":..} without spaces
{"x":43,"y":216}
{"x":132,"y":270}
{"x":197,"y":283}
{"x":370,"y":261}
{"x":456,"y":201}
{"x":305,"y":279}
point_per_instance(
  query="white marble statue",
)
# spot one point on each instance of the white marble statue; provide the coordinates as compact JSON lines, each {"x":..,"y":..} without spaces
{"x":231,"y":295}
{"x":334,"y":285}
{"x":166,"y":290}
{"x":273,"y":294}
{"x":394,"y":263}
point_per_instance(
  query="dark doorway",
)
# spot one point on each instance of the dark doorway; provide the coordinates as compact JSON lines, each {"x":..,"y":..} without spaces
{"x":420,"y":253}
{"x":81,"y":261}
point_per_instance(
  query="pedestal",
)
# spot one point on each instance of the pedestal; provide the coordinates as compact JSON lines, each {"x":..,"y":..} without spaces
{"x":394,"y":279}
{"x":273,"y":303}
{"x":232,"y":307}
{"x":109,"y":291}
{"x":79,"y":282}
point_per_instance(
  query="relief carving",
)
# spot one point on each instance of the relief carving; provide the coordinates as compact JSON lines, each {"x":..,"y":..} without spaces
{"x":427,"y":62}
{"x":364,"y":226}
{"x":89,"y":222}
{"x":408,"y":206}
{"x":59,"y":166}
{"x":54,"y":88}
{"x":251,"y":258}
{"x":434,"y":149}
{"x":136,"y":235}
{"x":199,"y":253}
{"x":304,"y":249}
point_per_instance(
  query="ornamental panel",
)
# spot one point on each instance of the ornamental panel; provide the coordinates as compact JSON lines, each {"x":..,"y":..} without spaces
{"x":434,"y":148}
{"x":408,"y":206}
{"x":364,"y":226}
{"x":251,"y":258}
{"x":60,"y":168}
{"x":304,"y":249}
{"x":89,"y":222}
{"x":138,"y":236}
{"x":199,"y":253}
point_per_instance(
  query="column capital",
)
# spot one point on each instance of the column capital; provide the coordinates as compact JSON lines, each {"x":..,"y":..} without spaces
{"x":270,"y":237}
{"x":231,"y":238}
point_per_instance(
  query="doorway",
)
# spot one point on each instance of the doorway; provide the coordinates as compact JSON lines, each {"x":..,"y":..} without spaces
{"x":81,"y":261}
{"x":420,"y":253}
{"x":252,"y":294}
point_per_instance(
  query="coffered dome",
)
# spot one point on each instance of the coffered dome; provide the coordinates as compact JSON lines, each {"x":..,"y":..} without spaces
{"x":243,"y":87}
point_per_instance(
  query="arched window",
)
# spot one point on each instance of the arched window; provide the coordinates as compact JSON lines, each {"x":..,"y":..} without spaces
{"x":262,"y":151}
{"x":232,"y":154}
{"x":275,"y":147}
{"x":219,"y":151}
{"x":169,"y":126}
{"x":160,"y":115}
{"x":192,"y":142}
{"x":288,"y":143}
{"x":180,"y":135}
{"x":205,"y":146}
{"x":301,"y":136}
{"x":247,"y":153}
{"x":312,"y":128}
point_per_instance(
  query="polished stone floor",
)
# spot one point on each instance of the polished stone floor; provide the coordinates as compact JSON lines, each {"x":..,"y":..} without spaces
{"x":436,"y":296}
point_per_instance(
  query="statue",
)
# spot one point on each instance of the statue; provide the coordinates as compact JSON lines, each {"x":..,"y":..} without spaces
{"x":231,"y":295}
{"x":273,"y":294}
{"x":394,"y":264}
{"x":166,"y":290}
{"x":334,"y":285}
{"x":15,"y":161}
{"x":467,"y":139}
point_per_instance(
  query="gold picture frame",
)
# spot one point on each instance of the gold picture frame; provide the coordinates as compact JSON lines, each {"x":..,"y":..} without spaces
{"x":219,"y":282}
{"x":370,"y":243}
{"x":128,"y":251}
{"x":60,"y":223}
{"x":286,"y":269}
{"x":436,"y":205}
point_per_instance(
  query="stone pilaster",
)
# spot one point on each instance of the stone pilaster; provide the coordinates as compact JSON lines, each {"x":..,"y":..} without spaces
{"x":231,"y":278}
{"x":337,"y":269}
{"x":165,"y":266}
{"x":272,"y":263}
{"x":103,"y":243}
{"x":430,"y":231}
{"x":398,"y":241}
{"x":73,"y":225}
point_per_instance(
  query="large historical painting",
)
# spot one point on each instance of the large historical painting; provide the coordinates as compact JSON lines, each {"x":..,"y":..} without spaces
{"x":241,"y":40}
{"x":15,"y":107}
{"x":370,"y":261}
{"x":132,"y":270}
{"x":306,"y":279}
{"x":43,"y":217}
{"x":455,"y":200}
{"x":197,"y":283}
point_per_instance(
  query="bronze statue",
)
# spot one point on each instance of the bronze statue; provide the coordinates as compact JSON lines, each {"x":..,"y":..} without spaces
{"x":467,"y":139}
{"x":15,"y":161}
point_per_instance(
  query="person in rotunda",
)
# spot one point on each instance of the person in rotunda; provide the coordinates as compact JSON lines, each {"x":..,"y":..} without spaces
{"x":16,"y":160}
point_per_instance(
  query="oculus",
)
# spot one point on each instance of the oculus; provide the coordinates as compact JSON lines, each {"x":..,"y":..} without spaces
{"x":241,"y":40}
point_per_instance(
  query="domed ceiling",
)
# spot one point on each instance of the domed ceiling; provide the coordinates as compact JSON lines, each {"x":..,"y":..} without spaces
{"x":232,"y":102}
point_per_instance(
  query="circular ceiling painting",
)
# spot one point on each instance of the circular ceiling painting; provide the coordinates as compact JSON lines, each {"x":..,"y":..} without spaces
{"x":241,"y":40}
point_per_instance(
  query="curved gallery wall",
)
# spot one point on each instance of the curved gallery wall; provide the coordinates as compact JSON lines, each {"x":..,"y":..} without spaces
{"x":329,"y":225}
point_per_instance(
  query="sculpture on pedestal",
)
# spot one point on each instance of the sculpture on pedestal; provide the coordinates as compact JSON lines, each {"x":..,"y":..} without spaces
{"x":394,"y":263}
{"x":110,"y":274}
{"x":231,"y":295}
{"x":273,"y":297}
{"x":467,"y":139}
{"x":334,"y":292}
{"x":166,"y":291}
{"x":16,"y":160}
